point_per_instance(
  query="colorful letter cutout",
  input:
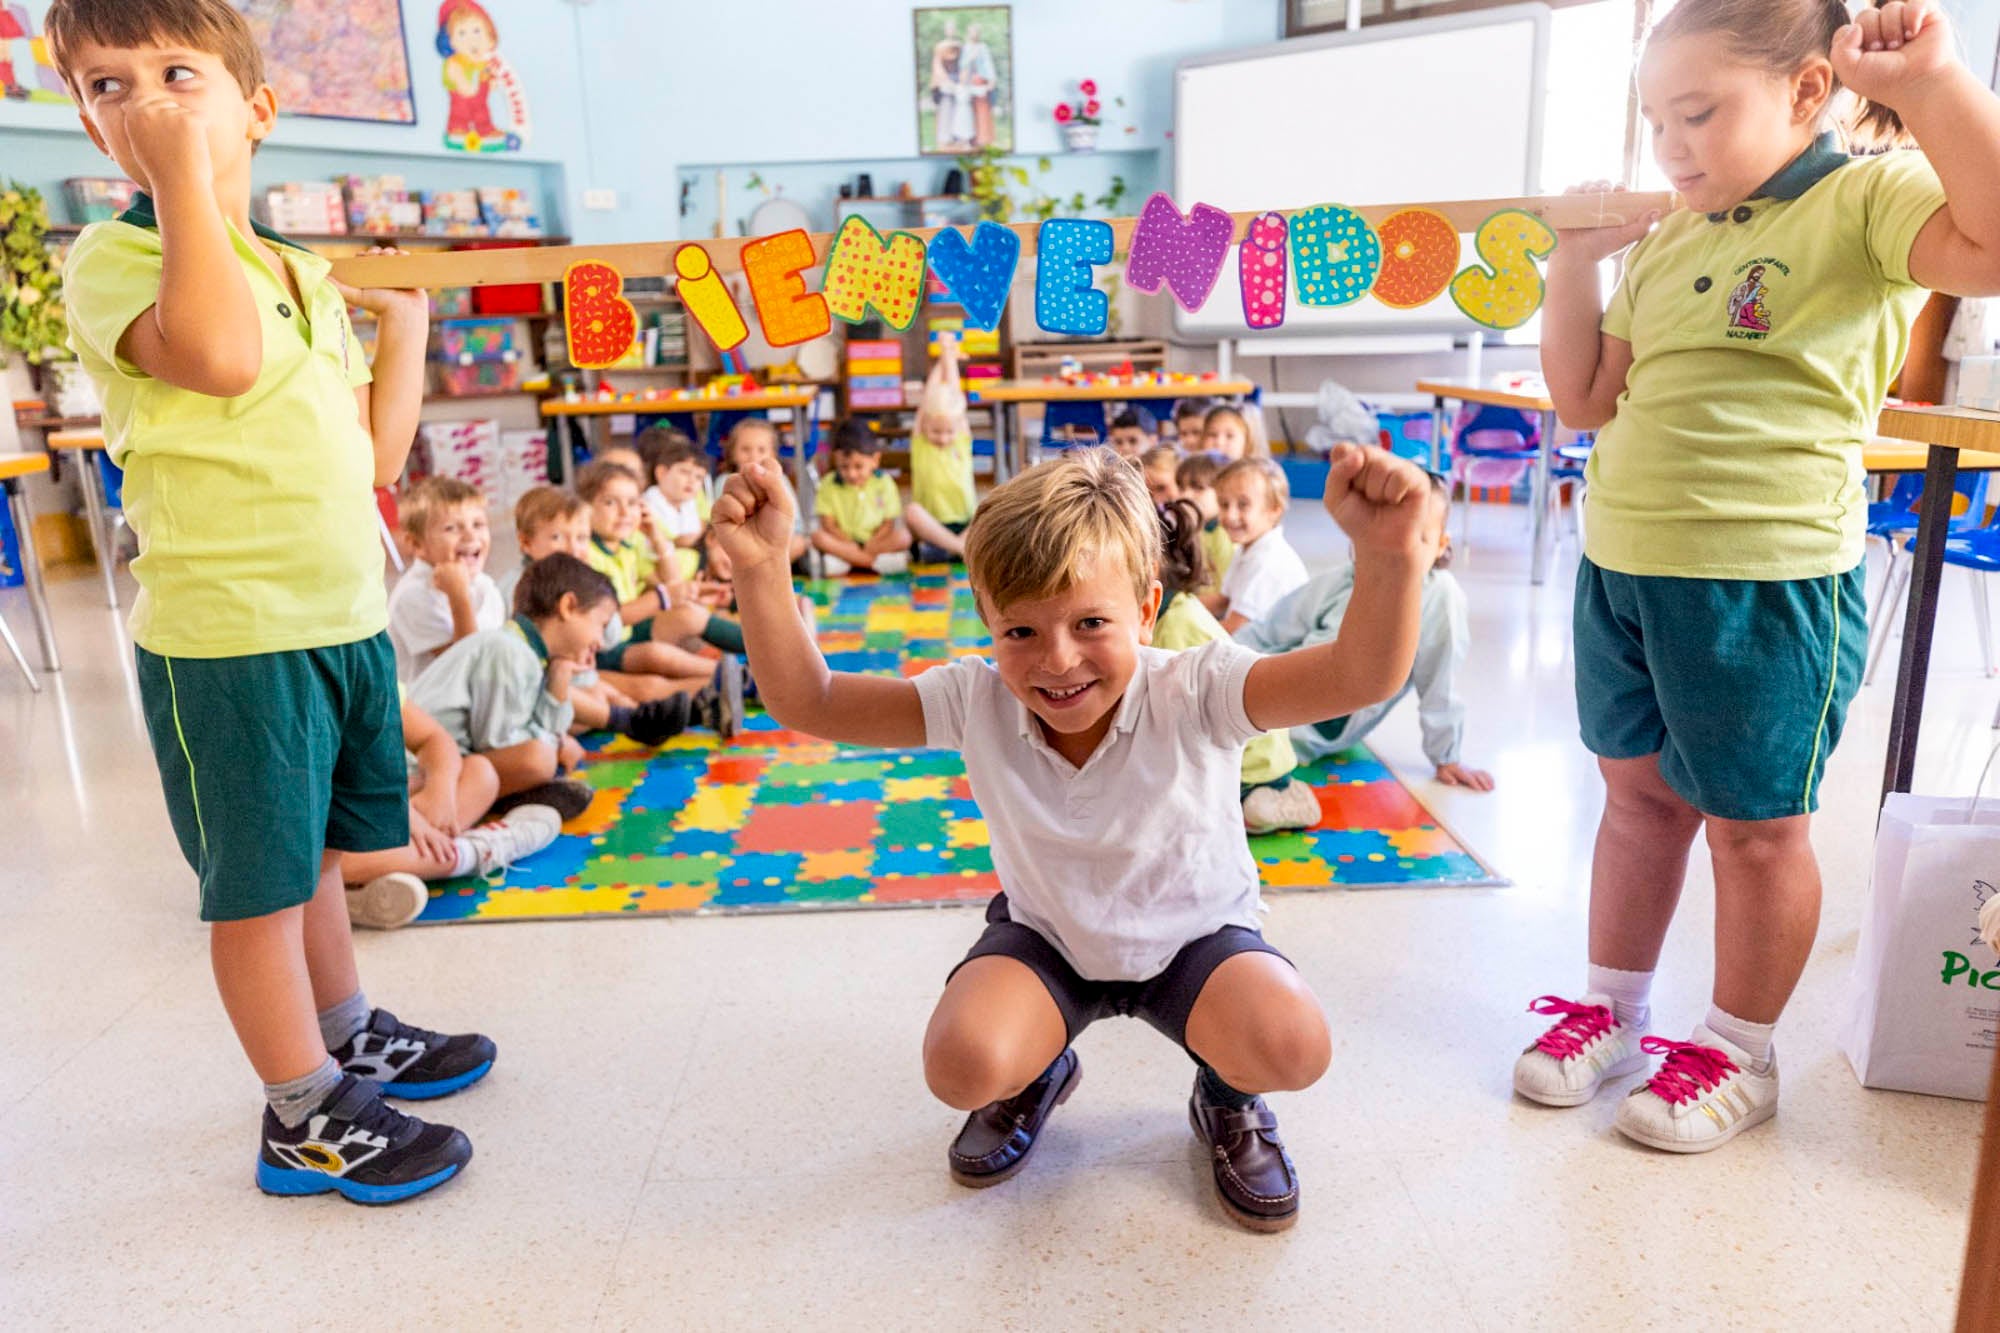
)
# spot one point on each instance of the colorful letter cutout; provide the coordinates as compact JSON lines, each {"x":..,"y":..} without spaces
{"x":863,"y":270}
{"x":1419,"y":256}
{"x":978,"y":275}
{"x":1186,"y":252}
{"x":788,"y":312}
{"x":701,"y":289}
{"x":1335,"y":255}
{"x":1065,"y":300}
{"x":1507,"y":292}
{"x":1260,"y":262}
{"x":601,"y":323}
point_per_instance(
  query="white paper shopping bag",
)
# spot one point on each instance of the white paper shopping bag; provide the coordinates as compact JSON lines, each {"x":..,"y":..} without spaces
{"x":1925,"y":1007}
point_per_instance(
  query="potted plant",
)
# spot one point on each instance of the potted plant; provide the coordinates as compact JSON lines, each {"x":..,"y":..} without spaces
{"x":31,"y":310}
{"x":1079,"y":120}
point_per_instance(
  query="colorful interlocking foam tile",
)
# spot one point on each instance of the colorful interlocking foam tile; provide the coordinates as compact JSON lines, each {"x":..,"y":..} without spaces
{"x":778,"y":821}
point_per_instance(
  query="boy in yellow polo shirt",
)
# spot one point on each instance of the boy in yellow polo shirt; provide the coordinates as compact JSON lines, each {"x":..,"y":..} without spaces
{"x":860,"y":511}
{"x":238,"y":403}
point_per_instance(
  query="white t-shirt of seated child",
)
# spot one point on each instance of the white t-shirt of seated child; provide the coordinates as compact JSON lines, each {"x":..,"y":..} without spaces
{"x":1123,"y":861}
{"x":420,"y":616}
{"x":1263,"y":574}
{"x":676,"y":520}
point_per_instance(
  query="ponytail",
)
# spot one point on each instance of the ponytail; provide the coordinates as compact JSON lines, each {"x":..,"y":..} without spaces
{"x":1183,"y":563}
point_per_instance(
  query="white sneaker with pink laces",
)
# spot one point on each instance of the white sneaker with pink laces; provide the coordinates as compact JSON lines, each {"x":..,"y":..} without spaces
{"x":1704,"y":1094}
{"x":1585,"y":1049}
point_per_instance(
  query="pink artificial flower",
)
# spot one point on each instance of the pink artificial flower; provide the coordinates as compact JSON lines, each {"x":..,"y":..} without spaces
{"x":1090,"y":108}
{"x":1063,"y":113}
{"x":1088,"y":87}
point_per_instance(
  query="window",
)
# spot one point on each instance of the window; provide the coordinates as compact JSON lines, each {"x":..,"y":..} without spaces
{"x":1313,"y":16}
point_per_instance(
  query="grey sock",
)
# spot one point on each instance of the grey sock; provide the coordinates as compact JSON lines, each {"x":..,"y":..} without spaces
{"x":338,"y":1025}
{"x":293,"y":1102}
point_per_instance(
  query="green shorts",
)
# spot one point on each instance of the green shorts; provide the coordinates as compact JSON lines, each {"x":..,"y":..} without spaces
{"x":1740,"y":687}
{"x":269,"y":760}
{"x":613,"y":659}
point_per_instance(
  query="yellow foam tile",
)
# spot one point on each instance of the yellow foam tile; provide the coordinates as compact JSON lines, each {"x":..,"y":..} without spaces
{"x":718,"y":808}
{"x":931,"y":788}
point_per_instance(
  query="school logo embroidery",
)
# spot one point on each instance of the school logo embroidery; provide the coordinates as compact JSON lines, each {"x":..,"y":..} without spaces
{"x":1749,"y":304}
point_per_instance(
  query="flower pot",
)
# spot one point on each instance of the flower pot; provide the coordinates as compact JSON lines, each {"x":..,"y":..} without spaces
{"x":1080,"y":138}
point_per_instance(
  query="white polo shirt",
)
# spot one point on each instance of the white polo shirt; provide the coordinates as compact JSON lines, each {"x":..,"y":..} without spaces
{"x":1263,"y":574}
{"x":420,"y":616}
{"x":1123,"y":861}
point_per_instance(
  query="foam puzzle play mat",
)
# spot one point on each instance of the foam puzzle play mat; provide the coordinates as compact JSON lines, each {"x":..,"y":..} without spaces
{"x":778,"y":821}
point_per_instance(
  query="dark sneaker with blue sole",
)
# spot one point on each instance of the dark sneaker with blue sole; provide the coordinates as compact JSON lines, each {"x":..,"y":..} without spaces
{"x":358,"y":1146}
{"x":412,"y":1062}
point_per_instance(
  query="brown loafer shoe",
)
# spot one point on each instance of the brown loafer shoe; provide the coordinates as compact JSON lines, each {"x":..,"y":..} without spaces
{"x":997,"y":1138}
{"x":1254,"y":1177}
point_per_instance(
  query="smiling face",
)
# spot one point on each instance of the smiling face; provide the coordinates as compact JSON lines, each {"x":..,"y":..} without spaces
{"x":1722,"y":128}
{"x":109,"y":80}
{"x":1160,"y":487}
{"x":1069,"y":656}
{"x":855,"y":469}
{"x":751,"y":448}
{"x":614,"y":511}
{"x":940,"y":428}
{"x":1247,"y":507}
{"x":472,"y":36}
{"x":564,"y":536}
{"x":456,"y":532}
{"x":1227,"y":437}
{"x":575,"y":631}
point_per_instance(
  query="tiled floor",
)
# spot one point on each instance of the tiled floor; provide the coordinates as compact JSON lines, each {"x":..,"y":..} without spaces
{"x":721,"y":1123}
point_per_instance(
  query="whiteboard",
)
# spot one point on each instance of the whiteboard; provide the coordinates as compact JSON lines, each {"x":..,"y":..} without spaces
{"x":1430,"y":109}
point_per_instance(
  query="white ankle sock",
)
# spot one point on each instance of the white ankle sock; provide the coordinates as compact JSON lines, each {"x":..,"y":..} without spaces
{"x":1630,"y":994}
{"x":468,"y":857}
{"x":1754,"y":1038}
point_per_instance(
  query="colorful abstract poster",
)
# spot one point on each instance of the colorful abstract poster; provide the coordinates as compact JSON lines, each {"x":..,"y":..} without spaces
{"x":335,"y":59}
{"x":26,"y":73}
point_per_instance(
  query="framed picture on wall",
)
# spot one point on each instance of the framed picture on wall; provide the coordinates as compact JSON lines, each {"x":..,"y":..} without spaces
{"x":335,"y":59}
{"x":965,"y":79}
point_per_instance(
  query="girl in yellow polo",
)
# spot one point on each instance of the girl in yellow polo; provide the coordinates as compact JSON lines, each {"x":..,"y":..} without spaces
{"x":1732,"y":379}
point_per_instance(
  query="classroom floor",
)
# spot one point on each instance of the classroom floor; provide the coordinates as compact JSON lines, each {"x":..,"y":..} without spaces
{"x":721,"y":1123}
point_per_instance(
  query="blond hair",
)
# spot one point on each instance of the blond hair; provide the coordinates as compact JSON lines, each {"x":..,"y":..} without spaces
{"x":1275,"y":481}
{"x":1255,"y":445}
{"x":543,"y":505}
{"x":1043,"y":532}
{"x":213,"y":26}
{"x":432,"y":496}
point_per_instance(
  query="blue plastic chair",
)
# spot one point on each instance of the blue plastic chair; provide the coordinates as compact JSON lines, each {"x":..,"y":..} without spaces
{"x":1889,"y":521}
{"x":1568,"y":470}
{"x":1482,"y":455}
{"x":1061,"y":421}
{"x":1973,"y":546}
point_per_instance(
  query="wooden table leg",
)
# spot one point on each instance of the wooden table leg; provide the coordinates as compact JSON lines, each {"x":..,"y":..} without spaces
{"x":1913,"y":667}
{"x":31,"y":570}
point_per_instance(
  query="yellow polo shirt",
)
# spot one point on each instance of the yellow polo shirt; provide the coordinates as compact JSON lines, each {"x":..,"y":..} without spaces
{"x":630,"y":566}
{"x":1184,"y":623}
{"x":1763,"y":343}
{"x":941,"y":478}
{"x":255,"y":515}
{"x":858,"y":510}
{"x":1221,"y":553}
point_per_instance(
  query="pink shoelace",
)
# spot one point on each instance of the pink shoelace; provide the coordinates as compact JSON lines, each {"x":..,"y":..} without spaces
{"x":1688,"y":1071}
{"x":1578,"y":1026}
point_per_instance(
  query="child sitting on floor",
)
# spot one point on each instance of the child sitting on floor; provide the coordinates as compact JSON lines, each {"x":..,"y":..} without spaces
{"x":1234,"y":434}
{"x":449,"y":793}
{"x":446,"y":593}
{"x":1133,"y":432}
{"x":678,"y":497}
{"x":1272,"y":798}
{"x":1313,"y":615}
{"x":657,"y":613}
{"x":1194,"y":480}
{"x":1123,"y":893}
{"x":1191,"y":424}
{"x":547,"y":521}
{"x":1158,"y":466}
{"x":942,"y":494}
{"x":504,"y":693}
{"x":859,"y":509}
{"x":1252,"y":494}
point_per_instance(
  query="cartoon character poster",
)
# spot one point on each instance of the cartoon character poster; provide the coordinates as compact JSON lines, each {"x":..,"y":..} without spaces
{"x":474,"y":73}
{"x":26,"y":73}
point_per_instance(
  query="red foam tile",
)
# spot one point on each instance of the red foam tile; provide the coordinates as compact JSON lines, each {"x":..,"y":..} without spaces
{"x":820,"y":827}
{"x":1372,"y":805}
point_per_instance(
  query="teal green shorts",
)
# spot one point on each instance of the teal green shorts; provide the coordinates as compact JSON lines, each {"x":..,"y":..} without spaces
{"x":1741,"y":688}
{"x":613,"y":659}
{"x":269,"y":760}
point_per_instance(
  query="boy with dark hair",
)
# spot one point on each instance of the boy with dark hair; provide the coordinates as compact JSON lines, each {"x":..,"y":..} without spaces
{"x":233,"y":386}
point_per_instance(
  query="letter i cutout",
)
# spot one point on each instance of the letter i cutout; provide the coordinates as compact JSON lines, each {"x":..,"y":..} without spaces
{"x":700,"y":288}
{"x":1260,"y":262}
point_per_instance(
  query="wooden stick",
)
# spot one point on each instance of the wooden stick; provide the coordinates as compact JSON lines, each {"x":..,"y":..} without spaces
{"x":484,"y":268}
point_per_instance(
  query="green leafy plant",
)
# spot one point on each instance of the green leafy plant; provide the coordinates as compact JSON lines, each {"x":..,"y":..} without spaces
{"x":31,"y":310}
{"x":988,"y":177}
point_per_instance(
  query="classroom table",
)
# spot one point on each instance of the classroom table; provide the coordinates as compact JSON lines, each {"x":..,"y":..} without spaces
{"x":778,"y":397}
{"x":1465,"y":391}
{"x":1003,"y":395}
{"x":84,"y":443}
{"x":13,"y":468}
